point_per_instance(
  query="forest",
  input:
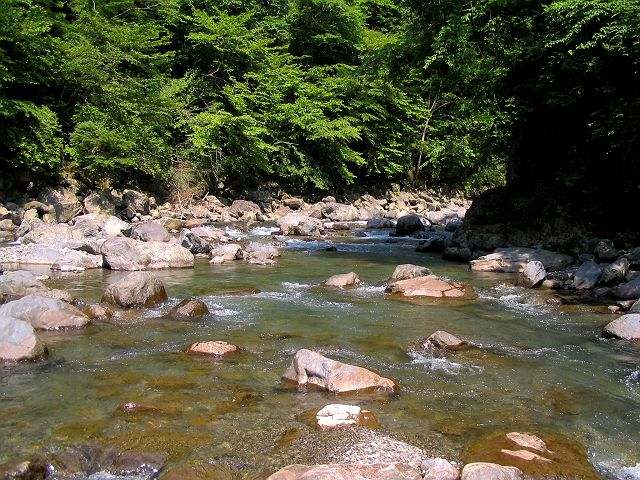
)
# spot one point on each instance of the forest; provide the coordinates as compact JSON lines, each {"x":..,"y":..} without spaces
{"x":316,"y":95}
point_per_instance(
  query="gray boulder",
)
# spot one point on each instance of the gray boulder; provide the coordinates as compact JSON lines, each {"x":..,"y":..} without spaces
{"x":99,"y":202}
{"x":626,"y":327}
{"x":244,"y":209}
{"x":137,"y":289}
{"x":407,"y":270}
{"x":226,"y":253}
{"x":189,"y":308}
{"x":339,"y":212}
{"x":19,"y":283}
{"x":193,"y":243}
{"x":36,"y":254}
{"x":627,"y":291}
{"x":533,"y":274}
{"x":380,"y":222}
{"x":587,"y":276}
{"x":615,"y":272}
{"x":342,"y":280}
{"x":18,"y":341}
{"x":121,"y":253}
{"x":62,"y":235}
{"x":411,"y":224}
{"x":44,"y":313}
{"x":65,"y":204}
{"x":150,"y":232}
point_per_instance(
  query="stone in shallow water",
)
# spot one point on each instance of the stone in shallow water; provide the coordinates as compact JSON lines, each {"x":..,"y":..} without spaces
{"x":587,"y":276}
{"x":525,"y":455}
{"x":393,"y":471}
{"x":513,"y":260}
{"x":626,"y":327}
{"x":336,"y":415}
{"x":490,"y":471}
{"x":215,"y":348}
{"x":439,"y":469}
{"x":342,"y":280}
{"x":309,"y":368}
{"x":527,"y":440}
{"x":444,"y":341}
{"x":407,"y":270}
{"x":138,"y":289}
{"x":189,"y":308}
{"x":533,"y":274}
{"x":121,"y":253}
{"x":18,"y":341}
{"x":44,"y":313}
{"x":429,"y":286}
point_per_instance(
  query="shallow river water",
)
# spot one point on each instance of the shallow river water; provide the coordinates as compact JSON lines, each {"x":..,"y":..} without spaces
{"x":540,"y":369}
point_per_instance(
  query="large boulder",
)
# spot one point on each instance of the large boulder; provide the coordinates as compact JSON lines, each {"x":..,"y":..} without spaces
{"x":490,"y":471}
{"x":65,"y":204}
{"x":587,"y":276}
{"x":407,"y":270}
{"x":44,"y":313}
{"x":300,"y":224}
{"x":18,"y":341}
{"x":113,"y":226}
{"x":615,"y":272}
{"x":533,"y":274}
{"x":411,"y":224}
{"x":342,"y":280}
{"x":150,"y":232}
{"x":513,"y":260}
{"x":19,"y":283}
{"x":429,"y":286}
{"x":226,"y":253}
{"x":261,"y":253}
{"x":54,"y":234}
{"x":605,"y":251}
{"x":387,"y":471}
{"x":99,"y":202}
{"x":244,"y":209}
{"x":137,"y":289}
{"x":310,"y":368}
{"x":626,"y":327}
{"x":628,"y":291}
{"x":210,"y":234}
{"x":37,"y":254}
{"x":135,"y":202}
{"x":339,"y":212}
{"x":121,"y":253}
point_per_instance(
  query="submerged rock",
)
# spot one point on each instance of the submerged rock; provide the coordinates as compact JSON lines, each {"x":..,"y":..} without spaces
{"x":342,"y":280}
{"x":407,"y":270}
{"x":626,"y":327}
{"x":189,"y":308}
{"x":334,"y":416}
{"x":214,"y":348}
{"x":309,"y":368}
{"x":513,"y":260}
{"x":137,"y":289}
{"x":44,"y":313}
{"x":429,"y":286}
{"x":490,"y":471}
{"x":391,"y":471}
{"x":18,"y":340}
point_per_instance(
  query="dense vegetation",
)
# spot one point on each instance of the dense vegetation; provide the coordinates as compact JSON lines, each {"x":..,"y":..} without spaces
{"x":320,"y":94}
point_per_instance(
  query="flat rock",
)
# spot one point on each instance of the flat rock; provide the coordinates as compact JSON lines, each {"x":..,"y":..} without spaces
{"x":138,"y":289}
{"x":626,"y":327}
{"x":334,"y":416}
{"x":19,"y":283}
{"x":513,"y":260}
{"x":36,"y":254}
{"x":490,"y":471}
{"x":407,"y":270}
{"x":44,"y":313}
{"x":525,"y":455}
{"x":121,"y":253}
{"x":18,"y":341}
{"x":444,"y":341}
{"x":527,"y":440}
{"x":340,"y":212}
{"x":342,"y":280}
{"x":214,"y":348}
{"x":310,"y":368}
{"x":429,"y":286}
{"x":392,"y":471}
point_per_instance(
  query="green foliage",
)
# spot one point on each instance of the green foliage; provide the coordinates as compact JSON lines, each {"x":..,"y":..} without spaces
{"x":318,"y":94}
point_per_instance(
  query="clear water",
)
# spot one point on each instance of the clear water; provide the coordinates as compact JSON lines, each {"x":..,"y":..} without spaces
{"x":541,"y":369}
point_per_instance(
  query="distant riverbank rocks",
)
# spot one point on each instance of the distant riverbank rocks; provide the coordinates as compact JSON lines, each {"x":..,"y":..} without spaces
{"x":312,"y":369}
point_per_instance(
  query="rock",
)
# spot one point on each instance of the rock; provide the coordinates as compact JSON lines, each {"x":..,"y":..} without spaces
{"x":193,"y":243}
{"x":407,"y":270}
{"x":457,"y":254}
{"x":587,"y":276}
{"x":44,"y":313}
{"x":329,"y":199}
{"x":137,"y":289}
{"x":513,"y":260}
{"x":533,"y":274}
{"x":615,"y":272}
{"x":490,"y":471}
{"x":379,"y":222}
{"x":244,"y":209}
{"x":410,"y":224}
{"x":435,"y":244}
{"x":635,"y":307}
{"x":524,"y":455}
{"x":189,"y":308}
{"x":261,"y":254}
{"x":99,"y":202}
{"x":209,"y":234}
{"x":61,"y":235}
{"x":605,"y":251}
{"x":444,"y":341}
{"x":19,"y":283}
{"x":439,"y":469}
{"x":226,"y":253}
{"x":429,"y":286}
{"x":113,"y":226}
{"x":339,"y":212}
{"x":150,"y":231}
{"x":121,"y":253}
{"x":215,"y":348}
{"x":36,"y":254}
{"x":293,"y":203}
{"x":135,"y":202}
{"x":309,"y":368}
{"x":300,"y":224}
{"x":96,"y":311}
{"x":342,"y":280}
{"x":392,"y":471}
{"x":626,"y":327}
{"x":528,"y":441}
{"x":18,"y":341}
{"x":628,"y":291}
{"x":65,"y":204}
{"x":335,"y":416}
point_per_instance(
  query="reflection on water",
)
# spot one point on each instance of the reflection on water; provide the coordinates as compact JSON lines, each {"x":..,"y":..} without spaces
{"x":533,"y":367}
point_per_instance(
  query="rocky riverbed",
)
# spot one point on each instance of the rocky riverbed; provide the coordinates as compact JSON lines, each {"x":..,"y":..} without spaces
{"x":236,"y":338}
